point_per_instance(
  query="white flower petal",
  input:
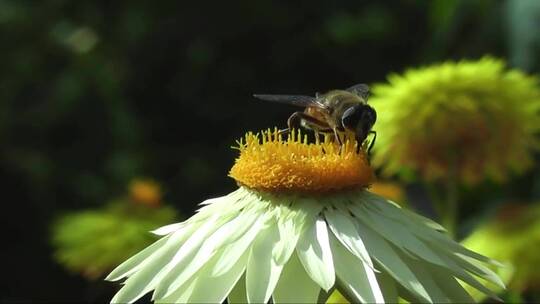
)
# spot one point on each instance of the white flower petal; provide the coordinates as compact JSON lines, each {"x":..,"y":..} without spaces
{"x":452,"y":246}
{"x":211,"y":201}
{"x":168,"y":229}
{"x":238,"y":293}
{"x":133,"y":264}
{"x":292,"y":221}
{"x":208,"y":288}
{"x":184,"y":256}
{"x":459,"y":261}
{"x":146,"y":278}
{"x":294,"y":285}
{"x":425,"y":270}
{"x":182,"y":295}
{"x":230,"y":198}
{"x":445,"y":243}
{"x":424,"y":221}
{"x":395,"y":232}
{"x":476,"y":268}
{"x":226,"y":206}
{"x":195,"y":241}
{"x":345,"y":231}
{"x":212,"y":289}
{"x":355,"y":276}
{"x":421,"y":272}
{"x":423,"y":228}
{"x":453,"y":290}
{"x":388,"y":287}
{"x":251,"y":237}
{"x":225,"y":234}
{"x":394,"y":211}
{"x":403,"y":238}
{"x":463,"y":275}
{"x":314,"y":252}
{"x":262,"y":272}
{"x":231,"y":253}
{"x":383,"y":253}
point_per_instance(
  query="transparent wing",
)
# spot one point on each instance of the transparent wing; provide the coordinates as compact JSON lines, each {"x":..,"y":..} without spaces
{"x":360,"y":89}
{"x":295,"y":100}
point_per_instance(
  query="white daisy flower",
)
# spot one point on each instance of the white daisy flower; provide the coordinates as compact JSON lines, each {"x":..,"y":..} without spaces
{"x":301,"y":224}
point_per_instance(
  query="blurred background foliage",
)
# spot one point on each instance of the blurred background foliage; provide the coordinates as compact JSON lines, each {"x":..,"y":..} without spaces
{"x":96,"y":93}
{"x":93,"y":242}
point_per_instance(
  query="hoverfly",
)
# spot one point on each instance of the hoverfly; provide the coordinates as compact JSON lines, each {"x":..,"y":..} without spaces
{"x":333,"y":112}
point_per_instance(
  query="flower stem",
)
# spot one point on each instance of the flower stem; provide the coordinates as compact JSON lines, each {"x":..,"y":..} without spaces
{"x":325,"y":296}
{"x":347,"y":295}
{"x":436,"y":200}
{"x":445,"y":201}
{"x":450,"y":214}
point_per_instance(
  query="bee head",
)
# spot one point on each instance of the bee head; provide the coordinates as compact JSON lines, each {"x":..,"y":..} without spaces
{"x":359,"y":119}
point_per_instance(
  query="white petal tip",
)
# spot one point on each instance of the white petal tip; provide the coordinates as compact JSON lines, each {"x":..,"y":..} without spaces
{"x":167,"y":229}
{"x":498,"y":264}
{"x":110,"y":278}
{"x":113,"y":277}
{"x":328,"y":286}
{"x":496,"y":298}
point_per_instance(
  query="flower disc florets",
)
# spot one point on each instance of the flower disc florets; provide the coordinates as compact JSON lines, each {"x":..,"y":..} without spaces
{"x":473,"y":116}
{"x":270,"y":162}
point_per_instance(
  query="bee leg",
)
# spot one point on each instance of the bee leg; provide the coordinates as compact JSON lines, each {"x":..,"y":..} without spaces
{"x":297,"y":118}
{"x":317,"y":136}
{"x":283,"y":131}
{"x":372,"y":142}
{"x":336,"y":134}
{"x":294,"y":122}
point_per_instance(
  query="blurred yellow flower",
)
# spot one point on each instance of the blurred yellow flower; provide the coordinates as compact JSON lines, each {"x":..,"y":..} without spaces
{"x":474,"y":116}
{"x":513,"y":237}
{"x":92,"y":242}
{"x":390,"y":190}
{"x":145,"y":191}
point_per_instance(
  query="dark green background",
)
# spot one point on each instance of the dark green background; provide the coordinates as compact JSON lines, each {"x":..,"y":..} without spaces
{"x":93,"y":93}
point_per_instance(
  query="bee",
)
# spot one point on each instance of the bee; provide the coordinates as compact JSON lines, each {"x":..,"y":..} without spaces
{"x":336,"y":111}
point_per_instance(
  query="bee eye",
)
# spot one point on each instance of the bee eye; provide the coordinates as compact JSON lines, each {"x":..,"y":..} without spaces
{"x":369,"y":114}
{"x":351,"y":117}
{"x":359,"y":118}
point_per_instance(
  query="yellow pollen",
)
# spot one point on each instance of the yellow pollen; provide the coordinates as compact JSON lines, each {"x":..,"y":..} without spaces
{"x":269,"y":162}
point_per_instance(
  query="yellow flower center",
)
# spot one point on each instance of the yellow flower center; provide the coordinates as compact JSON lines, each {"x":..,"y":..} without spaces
{"x":269,"y":162}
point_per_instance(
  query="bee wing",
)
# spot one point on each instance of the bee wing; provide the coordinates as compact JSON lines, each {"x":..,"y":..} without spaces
{"x":295,"y":100}
{"x":360,"y":89}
